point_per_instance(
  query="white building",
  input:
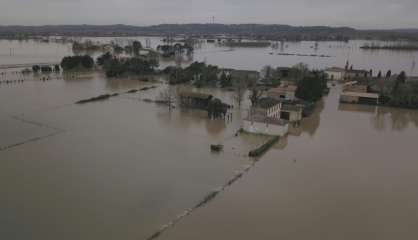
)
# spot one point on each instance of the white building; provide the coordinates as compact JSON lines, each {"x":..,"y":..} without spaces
{"x":335,"y":73}
{"x":264,"y":125}
{"x":267,"y":107}
{"x":291,"y":112}
{"x":264,"y":118}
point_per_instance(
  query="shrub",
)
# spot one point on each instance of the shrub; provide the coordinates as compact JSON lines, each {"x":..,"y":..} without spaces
{"x":263,"y":148}
{"x":73,"y":62}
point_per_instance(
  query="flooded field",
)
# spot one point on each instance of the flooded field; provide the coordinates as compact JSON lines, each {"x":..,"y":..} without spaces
{"x":114,"y":169}
{"x":18,"y":52}
{"x":123,"y":168}
{"x":350,"y":177}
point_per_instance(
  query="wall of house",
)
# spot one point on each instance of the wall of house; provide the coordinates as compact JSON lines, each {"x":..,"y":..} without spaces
{"x":273,"y":112}
{"x":335,"y":75}
{"x":294,"y":116}
{"x":264,"y":128}
{"x":348,"y":99}
{"x":355,"y":88}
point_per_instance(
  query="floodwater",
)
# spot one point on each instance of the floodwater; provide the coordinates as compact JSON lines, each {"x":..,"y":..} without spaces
{"x":123,"y":168}
{"x":350,"y":177}
{"x":119,"y":168}
{"x":18,"y":52}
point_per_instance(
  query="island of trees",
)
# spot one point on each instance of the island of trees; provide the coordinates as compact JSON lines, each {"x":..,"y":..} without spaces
{"x":409,"y":46}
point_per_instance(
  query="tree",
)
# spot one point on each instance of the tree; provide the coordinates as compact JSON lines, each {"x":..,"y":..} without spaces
{"x":255,"y":95}
{"x":104,"y":59}
{"x":87,"y":62}
{"x":57,"y":68}
{"x":311,"y":87}
{"x":135,"y":65}
{"x":371,"y":72}
{"x":73,"y":62}
{"x":136,"y":47}
{"x":400,"y":79}
{"x":168,"y":97}
{"x":224,"y":80}
{"x":266,"y":72}
{"x":46,"y":69}
{"x":117,"y":49}
{"x":36,"y":68}
{"x":388,"y":74}
{"x":240,"y":86}
{"x":379,"y":75}
{"x":300,"y":70}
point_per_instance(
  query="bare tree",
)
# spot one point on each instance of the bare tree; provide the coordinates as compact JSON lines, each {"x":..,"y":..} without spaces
{"x":256,"y":94}
{"x":240,"y":86}
{"x":266,"y":72}
{"x":168,"y":96}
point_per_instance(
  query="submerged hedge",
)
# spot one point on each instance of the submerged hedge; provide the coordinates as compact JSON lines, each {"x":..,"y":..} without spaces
{"x":263,"y":148}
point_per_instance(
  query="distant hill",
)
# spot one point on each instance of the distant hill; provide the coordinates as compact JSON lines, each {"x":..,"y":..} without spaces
{"x":256,"y":31}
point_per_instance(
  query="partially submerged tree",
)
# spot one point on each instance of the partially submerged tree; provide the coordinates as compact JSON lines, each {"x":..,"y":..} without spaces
{"x":240,"y":87}
{"x":104,"y":59}
{"x":388,"y":74}
{"x":400,"y":80}
{"x":36,"y":68}
{"x":311,"y":87}
{"x":256,"y":94}
{"x":73,"y":62}
{"x":168,"y":96}
{"x":225,"y":80}
{"x":136,"y":47}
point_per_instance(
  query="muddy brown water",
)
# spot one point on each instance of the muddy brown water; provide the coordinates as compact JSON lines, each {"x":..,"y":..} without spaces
{"x":19,"y":52}
{"x":118,"y":168}
{"x":122,"y":168}
{"x":351,"y":176}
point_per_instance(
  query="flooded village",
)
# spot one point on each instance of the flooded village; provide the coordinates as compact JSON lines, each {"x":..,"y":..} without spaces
{"x":200,"y":138}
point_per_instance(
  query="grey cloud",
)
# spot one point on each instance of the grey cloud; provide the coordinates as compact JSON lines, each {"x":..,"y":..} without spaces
{"x":355,"y":13}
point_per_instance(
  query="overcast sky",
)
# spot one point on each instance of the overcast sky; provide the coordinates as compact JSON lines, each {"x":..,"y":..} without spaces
{"x":353,"y":13}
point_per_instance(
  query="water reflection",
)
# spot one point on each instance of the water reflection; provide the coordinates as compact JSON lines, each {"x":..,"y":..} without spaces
{"x":189,"y":119}
{"x":385,"y":118}
{"x":310,"y":124}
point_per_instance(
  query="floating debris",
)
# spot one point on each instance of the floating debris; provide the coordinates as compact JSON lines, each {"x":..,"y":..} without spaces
{"x":216,"y":148}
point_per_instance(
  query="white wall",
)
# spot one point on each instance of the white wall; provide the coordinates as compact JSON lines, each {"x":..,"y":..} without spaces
{"x":263,"y":128}
{"x":335,"y":75}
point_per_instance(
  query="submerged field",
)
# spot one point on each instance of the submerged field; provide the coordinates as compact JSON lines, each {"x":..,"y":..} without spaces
{"x":120,"y":167}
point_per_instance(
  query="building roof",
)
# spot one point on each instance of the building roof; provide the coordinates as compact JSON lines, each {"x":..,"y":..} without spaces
{"x":267,"y":103}
{"x":335,"y":69}
{"x":360,"y":94}
{"x":195,"y":95}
